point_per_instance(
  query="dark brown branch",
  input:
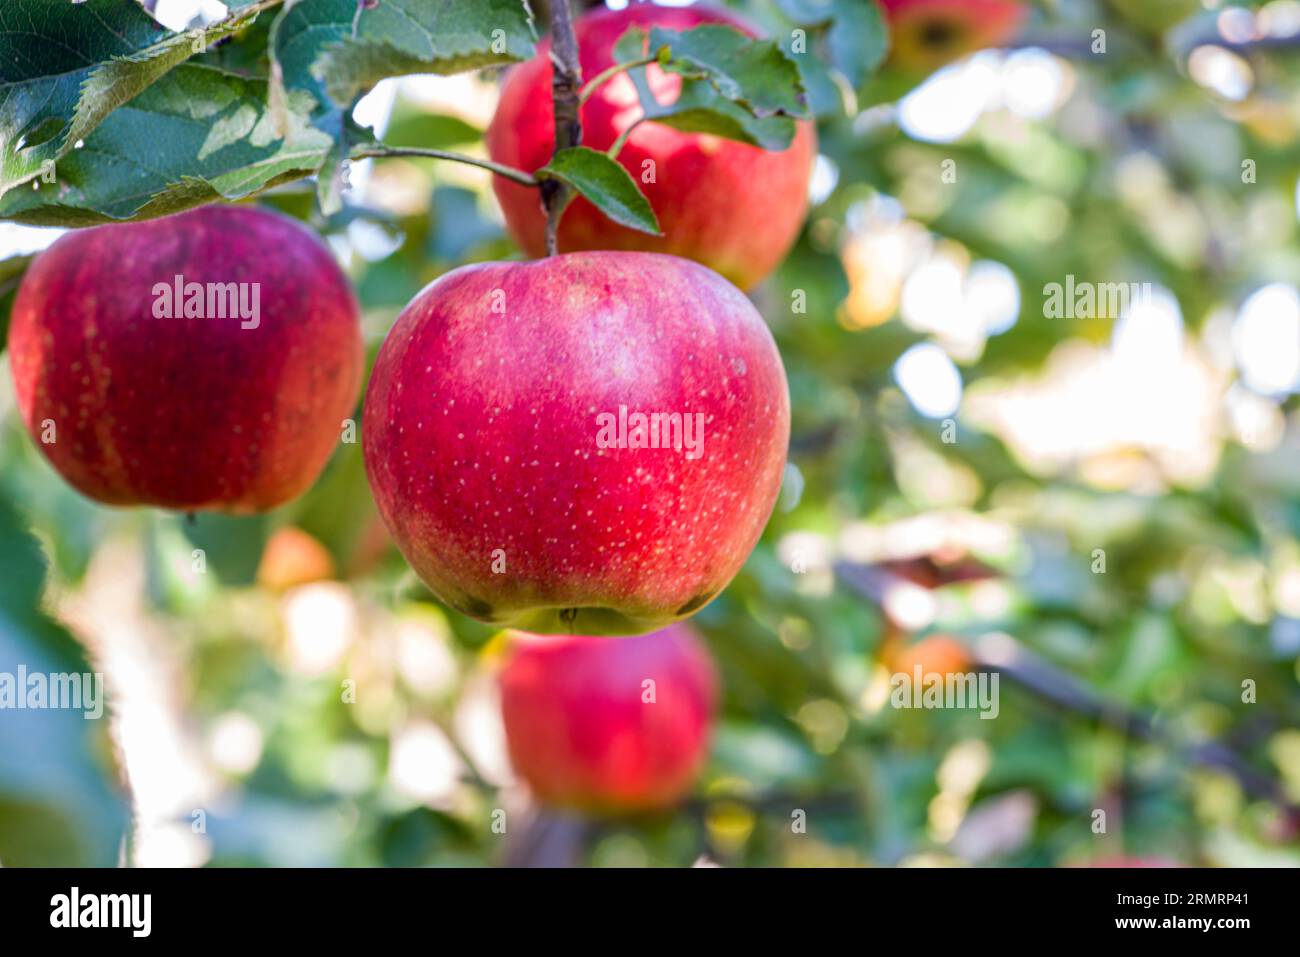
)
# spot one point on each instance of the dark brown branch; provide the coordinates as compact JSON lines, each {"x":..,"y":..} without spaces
{"x":1005,"y":656}
{"x":566,"y":86}
{"x":549,"y":839}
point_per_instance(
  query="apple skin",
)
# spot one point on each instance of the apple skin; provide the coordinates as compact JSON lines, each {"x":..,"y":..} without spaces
{"x":580,"y":734}
{"x":734,"y":207}
{"x":480,"y":438}
{"x":187,"y":413}
{"x":926,"y":34}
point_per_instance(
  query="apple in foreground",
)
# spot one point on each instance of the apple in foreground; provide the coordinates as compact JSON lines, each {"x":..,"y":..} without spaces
{"x":607,"y":725}
{"x":926,"y":34}
{"x":199,"y":362}
{"x":588,"y":442}
{"x":734,"y":207}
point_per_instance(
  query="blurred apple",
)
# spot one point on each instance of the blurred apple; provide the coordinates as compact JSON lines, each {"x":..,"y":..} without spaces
{"x":293,"y":557}
{"x":608,"y":725}
{"x":926,"y":34}
{"x":935,"y":654}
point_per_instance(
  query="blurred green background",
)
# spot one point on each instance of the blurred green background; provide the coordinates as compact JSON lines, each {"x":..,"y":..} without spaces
{"x":1125,"y":486}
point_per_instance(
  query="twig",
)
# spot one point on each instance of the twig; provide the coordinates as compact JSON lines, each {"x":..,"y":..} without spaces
{"x":617,"y":146}
{"x":603,"y":77}
{"x":380,"y":151}
{"x":566,"y":80}
{"x":444,"y":724}
{"x":1007,"y":657}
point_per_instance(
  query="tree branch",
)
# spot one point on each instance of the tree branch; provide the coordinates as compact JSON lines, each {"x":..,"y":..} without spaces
{"x":1007,"y":657}
{"x":566,"y":81}
{"x":549,"y":839}
{"x":1004,"y":655}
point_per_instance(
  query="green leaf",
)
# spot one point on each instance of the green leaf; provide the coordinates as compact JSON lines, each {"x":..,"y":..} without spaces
{"x":247,"y":53}
{"x":856,"y":38}
{"x":11,"y":274}
{"x":825,"y":95}
{"x":458,"y":225}
{"x":755,"y":74}
{"x":605,"y":184}
{"x":699,"y":110}
{"x":232,"y":544}
{"x":333,"y":51}
{"x":332,"y":177}
{"x":58,"y":803}
{"x":704,"y":103}
{"x":431,"y":131}
{"x":336,"y":52}
{"x":65,"y":67}
{"x":197,"y":136}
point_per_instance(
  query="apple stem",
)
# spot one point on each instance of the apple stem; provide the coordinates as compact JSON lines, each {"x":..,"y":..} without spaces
{"x":566,"y":83}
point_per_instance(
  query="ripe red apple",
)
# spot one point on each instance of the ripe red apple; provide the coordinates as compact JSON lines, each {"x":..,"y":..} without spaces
{"x":925,"y":34}
{"x":734,"y":207}
{"x":608,"y":725}
{"x":233,"y":403}
{"x":495,"y":443}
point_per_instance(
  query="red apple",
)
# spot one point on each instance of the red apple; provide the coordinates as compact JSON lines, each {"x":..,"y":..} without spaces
{"x":925,"y":34}
{"x":608,"y":725}
{"x":229,"y":396}
{"x":736,"y":208}
{"x":494,"y":439}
